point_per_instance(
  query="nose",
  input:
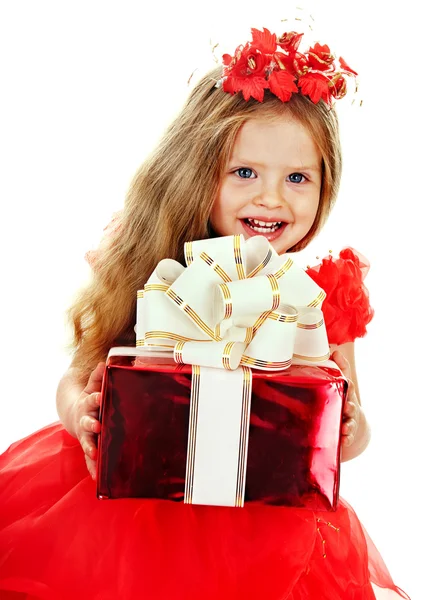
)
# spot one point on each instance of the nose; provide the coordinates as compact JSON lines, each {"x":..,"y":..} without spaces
{"x":270,"y":196}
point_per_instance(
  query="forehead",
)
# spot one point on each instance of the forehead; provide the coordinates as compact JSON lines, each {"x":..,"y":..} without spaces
{"x":276,"y":140}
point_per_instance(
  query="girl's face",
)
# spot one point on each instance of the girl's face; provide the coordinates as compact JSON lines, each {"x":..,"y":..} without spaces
{"x":272,"y":183}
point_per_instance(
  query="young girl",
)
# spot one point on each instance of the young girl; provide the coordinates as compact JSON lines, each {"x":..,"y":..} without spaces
{"x":255,"y":151}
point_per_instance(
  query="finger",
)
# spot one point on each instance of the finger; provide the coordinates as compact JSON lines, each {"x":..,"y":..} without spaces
{"x":347,"y":440}
{"x":91,"y":467}
{"x":350,"y":395}
{"x":87,"y":442}
{"x":350,"y":409}
{"x":351,"y":387}
{"x":95,"y":379}
{"x":90,"y":424}
{"x":342,"y":363}
{"x":349,"y":427}
{"x":93,"y":401}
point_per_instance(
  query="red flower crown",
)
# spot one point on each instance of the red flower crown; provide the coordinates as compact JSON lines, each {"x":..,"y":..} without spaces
{"x":259,"y":65}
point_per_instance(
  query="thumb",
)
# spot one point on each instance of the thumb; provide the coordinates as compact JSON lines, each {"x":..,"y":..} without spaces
{"x":95,"y":379}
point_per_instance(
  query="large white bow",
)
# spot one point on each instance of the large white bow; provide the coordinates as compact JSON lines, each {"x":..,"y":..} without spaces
{"x":237,"y":302}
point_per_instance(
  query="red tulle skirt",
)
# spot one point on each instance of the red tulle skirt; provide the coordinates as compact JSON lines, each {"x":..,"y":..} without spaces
{"x":58,"y":542}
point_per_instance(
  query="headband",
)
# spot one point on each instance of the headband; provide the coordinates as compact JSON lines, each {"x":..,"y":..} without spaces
{"x":275,"y":63}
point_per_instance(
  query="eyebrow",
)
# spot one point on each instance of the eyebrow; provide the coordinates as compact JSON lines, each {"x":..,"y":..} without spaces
{"x":238,"y":160}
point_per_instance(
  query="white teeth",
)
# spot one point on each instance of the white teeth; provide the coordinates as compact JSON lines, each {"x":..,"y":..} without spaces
{"x":263,"y":226}
{"x":265,"y":223}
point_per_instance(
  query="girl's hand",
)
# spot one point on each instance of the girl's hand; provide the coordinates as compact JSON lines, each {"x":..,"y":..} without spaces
{"x":85,"y":418}
{"x":352,"y":411}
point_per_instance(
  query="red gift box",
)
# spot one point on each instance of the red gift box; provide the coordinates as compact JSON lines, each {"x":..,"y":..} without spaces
{"x":293,"y":454}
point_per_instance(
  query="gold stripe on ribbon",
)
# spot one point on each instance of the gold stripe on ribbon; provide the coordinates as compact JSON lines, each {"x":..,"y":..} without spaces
{"x":261,"y":265}
{"x":178,"y":353}
{"x":264,"y":364}
{"x":260,"y":320}
{"x":244,"y":431}
{"x":191,"y":444}
{"x":188,"y":253}
{"x":249,"y":335}
{"x":227,"y":300}
{"x":139,"y":343}
{"x":160,"y":346}
{"x":140,"y":294}
{"x":215,"y":266}
{"x":285,"y":267}
{"x":313,"y":358}
{"x":226,"y":355}
{"x":156,"y":287}
{"x":312,"y":325}
{"x":238,"y":257}
{"x":192,"y":314}
{"x":275,"y":290}
{"x":283,"y":318}
{"x":167,"y":335}
{"x":318,"y":299}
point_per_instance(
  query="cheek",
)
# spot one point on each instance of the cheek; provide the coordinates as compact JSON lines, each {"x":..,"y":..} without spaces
{"x":224,"y":203}
{"x":218,"y":214}
{"x":217,"y":208}
{"x":310,"y":206}
{"x":306,"y":213}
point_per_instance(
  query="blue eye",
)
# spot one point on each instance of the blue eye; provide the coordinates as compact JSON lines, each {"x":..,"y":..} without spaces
{"x":244,"y":173}
{"x":296,"y":178}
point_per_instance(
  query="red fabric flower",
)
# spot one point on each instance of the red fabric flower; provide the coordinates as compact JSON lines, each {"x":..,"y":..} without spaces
{"x":339,"y":87}
{"x":268,"y":62}
{"x":346,"y":309}
{"x":290,"y":41}
{"x":282,"y":84}
{"x":320,"y":58}
{"x":316,"y":86}
{"x":264,"y":41}
{"x":295,"y":63}
{"x":247,"y":72}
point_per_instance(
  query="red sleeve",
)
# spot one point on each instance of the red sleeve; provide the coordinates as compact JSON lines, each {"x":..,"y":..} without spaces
{"x":346,"y":309}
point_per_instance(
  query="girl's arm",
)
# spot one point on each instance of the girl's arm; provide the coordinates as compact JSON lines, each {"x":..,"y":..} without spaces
{"x":356,"y":431}
{"x":78,"y":402}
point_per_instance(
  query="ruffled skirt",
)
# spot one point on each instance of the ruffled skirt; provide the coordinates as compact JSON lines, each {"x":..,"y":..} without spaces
{"x":59,"y":542}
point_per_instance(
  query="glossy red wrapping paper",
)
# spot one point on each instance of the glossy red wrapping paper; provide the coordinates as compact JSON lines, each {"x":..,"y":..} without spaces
{"x":294,"y":439}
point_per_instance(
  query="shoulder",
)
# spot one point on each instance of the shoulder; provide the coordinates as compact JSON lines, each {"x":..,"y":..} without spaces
{"x":347,"y":310}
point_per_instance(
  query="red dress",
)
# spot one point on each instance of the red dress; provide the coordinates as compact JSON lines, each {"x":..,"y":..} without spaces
{"x":58,"y":542}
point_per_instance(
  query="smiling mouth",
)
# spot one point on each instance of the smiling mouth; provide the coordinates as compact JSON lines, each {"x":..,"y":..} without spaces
{"x":263,"y":226}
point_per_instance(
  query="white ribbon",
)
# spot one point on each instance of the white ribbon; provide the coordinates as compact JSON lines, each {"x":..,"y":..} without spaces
{"x":237,"y":304}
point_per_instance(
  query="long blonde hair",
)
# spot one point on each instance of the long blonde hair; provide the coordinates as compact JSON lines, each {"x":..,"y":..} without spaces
{"x":169,"y":202}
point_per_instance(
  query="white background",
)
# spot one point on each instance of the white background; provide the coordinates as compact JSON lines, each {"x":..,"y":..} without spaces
{"x":87,"y":89}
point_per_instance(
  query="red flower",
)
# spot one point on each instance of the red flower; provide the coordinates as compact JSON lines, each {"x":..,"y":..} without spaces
{"x":346,"y":309}
{"x":249,"y":86}
{"x":282,"y":84}
{"x":339,"y":86}
{"x":290,"y":41}
{"x":246,"y":73}
{"x":264,"y":41}
{"x":320,"y":58}
{"x":316,"y":86}
{"x":259,"y":65}
{"x":295,"y":62}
